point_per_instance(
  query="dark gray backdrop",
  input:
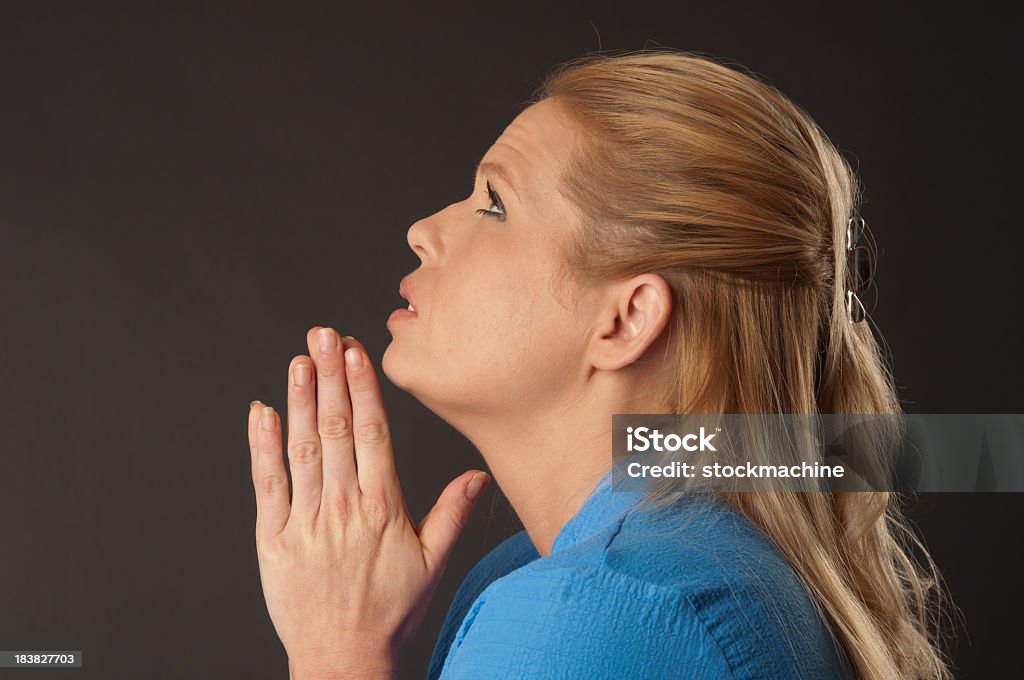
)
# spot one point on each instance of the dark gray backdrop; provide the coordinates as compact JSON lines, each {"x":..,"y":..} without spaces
{"x":184,"y":191}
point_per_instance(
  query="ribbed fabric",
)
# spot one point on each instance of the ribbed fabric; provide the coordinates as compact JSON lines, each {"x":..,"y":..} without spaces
{"x":690,"y":591}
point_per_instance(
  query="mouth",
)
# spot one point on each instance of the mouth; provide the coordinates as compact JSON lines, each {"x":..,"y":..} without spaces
{"x":409,"y":312}
{"x":406,"y":294}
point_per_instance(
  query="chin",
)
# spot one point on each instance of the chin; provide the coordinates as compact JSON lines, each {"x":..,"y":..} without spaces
{"x":407,"y":374}
{"x":399,"y":368}
{"x":391,"y":367}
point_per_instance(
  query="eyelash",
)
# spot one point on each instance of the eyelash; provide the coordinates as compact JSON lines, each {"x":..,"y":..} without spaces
{"x":496,"y":200}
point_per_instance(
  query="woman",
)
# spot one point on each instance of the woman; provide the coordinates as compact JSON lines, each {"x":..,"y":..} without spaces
{"x":655,"y":233}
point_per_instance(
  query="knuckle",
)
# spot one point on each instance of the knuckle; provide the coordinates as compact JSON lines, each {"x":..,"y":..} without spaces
{"x":373,"y":432}
{"x":336,"y":426}
{"x":304,"y":451}
{"x":328,"y":369}
{"x":272,"y":485}
{"x":375,"y":512}
{"x":458,"y":522}
{"x":362,"y":386}
{"x":275,"y":548}
{"x":338,"y":505}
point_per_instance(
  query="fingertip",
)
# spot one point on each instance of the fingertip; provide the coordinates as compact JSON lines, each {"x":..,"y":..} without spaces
{"x":268,"y":418}
{"x":255,"y":407}
{"x":477,"y":483}
{"x":354,"y":358}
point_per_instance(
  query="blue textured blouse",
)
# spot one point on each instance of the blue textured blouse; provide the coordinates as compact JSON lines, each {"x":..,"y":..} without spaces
{"x":693,"y":590}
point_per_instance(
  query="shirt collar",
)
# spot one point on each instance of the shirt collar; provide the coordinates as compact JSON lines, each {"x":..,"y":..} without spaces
{"x":601,"y":507}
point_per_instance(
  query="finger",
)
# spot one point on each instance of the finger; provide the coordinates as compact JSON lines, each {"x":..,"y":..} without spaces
{"x":375,"y":458}
{"x":442,"y":526}
{"x":304,"y":455}
{"x":334,"y":414}
{"x":272,"y":487}
{"x":255,"y":407}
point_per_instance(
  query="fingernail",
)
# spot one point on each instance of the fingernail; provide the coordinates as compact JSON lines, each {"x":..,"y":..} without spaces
{"x":354,"y":358}
{"x":267,"y":418}
{"x":302,"y":374}
{"x":476,"y":485}
{"x":347,"y":337}
{"x":253,"y":403}
{"x":327,"y":339}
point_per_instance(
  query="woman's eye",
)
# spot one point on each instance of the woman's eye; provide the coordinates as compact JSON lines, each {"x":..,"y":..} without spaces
{"x":495,"y":202}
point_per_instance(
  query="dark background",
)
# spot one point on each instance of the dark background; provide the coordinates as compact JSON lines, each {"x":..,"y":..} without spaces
{"x":184,"y":191}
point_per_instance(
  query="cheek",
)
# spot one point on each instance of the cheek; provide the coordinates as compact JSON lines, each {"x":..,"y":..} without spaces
{"x":507,"y":326}
{"x":489,"y":305}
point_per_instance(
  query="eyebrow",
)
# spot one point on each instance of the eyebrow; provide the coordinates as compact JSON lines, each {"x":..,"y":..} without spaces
{"x":499,"y":170}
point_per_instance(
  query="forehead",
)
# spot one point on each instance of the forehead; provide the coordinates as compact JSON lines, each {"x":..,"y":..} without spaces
{"x":535,"y":145}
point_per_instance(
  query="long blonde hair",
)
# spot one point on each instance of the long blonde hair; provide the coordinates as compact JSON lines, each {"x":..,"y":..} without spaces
{"x":712,"y":178}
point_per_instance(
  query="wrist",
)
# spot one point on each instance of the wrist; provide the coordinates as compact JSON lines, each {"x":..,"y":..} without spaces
{"x":356,"y":664}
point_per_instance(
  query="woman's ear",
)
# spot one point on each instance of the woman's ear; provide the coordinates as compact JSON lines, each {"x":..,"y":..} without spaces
{"x":631,"y":319}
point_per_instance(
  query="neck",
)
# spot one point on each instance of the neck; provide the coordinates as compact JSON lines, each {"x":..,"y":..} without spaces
{"x":548,"y":458}
{"x":547,"y":465}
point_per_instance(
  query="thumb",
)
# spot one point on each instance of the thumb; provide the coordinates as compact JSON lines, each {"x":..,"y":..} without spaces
{"x":439,"y":530}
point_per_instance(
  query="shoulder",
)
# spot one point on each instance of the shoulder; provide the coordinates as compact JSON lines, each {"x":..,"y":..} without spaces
{"x":745,"y":593}
{"x":551,"y":620}
{"x":693,"y":590}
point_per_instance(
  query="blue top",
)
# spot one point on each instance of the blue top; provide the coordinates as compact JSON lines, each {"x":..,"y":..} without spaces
{"x":693,"y":590}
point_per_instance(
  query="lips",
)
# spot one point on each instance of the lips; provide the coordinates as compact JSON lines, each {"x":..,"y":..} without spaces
{"x":406,"y":293}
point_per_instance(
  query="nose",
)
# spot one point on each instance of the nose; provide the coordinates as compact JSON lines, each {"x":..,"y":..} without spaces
{"x":424,"y":240}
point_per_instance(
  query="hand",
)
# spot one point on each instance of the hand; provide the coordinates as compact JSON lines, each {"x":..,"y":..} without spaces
{"x":346,"y":576}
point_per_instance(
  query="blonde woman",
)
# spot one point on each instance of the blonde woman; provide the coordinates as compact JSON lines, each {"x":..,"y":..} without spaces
{"x":655,"y":233}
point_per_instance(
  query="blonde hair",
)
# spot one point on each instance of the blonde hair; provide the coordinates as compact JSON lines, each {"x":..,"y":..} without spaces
{"x":715,"y":180}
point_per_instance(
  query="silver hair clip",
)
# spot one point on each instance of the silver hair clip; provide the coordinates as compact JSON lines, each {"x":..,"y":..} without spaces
{"x":860,"y":268}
